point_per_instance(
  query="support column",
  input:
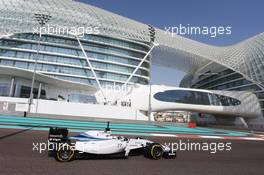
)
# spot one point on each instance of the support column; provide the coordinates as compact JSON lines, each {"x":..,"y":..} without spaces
{"x":39,"y":93}
{"x":39,"y":90}
{"x":11,"y":87}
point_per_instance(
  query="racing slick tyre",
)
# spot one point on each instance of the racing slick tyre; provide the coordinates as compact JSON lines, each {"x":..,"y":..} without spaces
{"x":65,"y":153}
{"x":154,"y":151}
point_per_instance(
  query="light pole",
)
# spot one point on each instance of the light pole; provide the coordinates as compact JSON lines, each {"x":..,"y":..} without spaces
{"x":42,"y":20}
{"x":152,"y":33}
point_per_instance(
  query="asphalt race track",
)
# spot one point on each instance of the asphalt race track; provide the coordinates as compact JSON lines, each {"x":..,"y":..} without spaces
{"x":17,"y":157}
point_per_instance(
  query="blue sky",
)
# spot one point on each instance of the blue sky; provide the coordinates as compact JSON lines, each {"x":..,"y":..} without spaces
{"x":245,"y":17}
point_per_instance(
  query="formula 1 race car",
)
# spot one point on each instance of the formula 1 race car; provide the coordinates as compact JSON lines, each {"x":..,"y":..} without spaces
{"x":101,"y":144}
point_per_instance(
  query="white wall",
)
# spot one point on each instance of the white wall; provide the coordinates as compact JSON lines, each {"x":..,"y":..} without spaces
{"x":76,"y":109}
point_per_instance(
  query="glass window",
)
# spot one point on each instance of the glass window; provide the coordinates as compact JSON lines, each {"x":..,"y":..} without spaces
{"x":4,"y":89}
{"x":196,"y":98}
{"x":21,"y":64}
{"x":7,"y":63}
{"x":82,"y":98}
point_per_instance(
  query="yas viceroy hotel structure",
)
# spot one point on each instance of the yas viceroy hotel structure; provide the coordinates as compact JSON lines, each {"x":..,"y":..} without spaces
{"x":85,"y":75}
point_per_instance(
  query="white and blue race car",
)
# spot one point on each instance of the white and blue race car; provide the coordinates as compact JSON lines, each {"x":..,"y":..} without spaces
{"x":101,"y":144}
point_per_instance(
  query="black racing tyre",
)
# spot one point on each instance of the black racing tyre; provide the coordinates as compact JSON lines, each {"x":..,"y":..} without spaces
{"x":65,"y":153}
{"x":154,"y":151}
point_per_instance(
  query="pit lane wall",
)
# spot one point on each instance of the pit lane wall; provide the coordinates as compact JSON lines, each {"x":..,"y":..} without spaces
{"x":64,"y":108}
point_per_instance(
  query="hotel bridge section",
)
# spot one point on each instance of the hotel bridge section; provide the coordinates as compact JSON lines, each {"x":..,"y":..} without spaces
{"x":221,"y":103}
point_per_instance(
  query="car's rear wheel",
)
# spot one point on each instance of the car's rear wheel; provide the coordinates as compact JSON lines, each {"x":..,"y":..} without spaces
{"x":65,"y":153}
{"x":154,"y":151}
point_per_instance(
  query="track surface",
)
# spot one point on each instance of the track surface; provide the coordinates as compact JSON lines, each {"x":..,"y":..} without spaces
{"x":17,"y":157}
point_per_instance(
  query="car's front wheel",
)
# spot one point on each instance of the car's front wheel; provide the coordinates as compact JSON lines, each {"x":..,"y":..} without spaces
{"x":65,"y":153}
{"x":154,"y":151}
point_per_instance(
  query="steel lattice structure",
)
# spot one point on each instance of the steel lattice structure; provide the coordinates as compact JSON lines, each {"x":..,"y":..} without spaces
{"x":246,"y":58}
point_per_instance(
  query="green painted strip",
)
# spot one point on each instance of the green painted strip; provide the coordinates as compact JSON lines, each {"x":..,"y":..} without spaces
{"x":130,"y":128}
{"x":113,"y":126}
{"x":71,"y":130}
{"x":73,"y":121}
{"x":116,"y":129}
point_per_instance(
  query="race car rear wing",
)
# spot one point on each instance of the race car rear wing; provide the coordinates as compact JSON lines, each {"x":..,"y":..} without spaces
{"x":61,"y":133}
{"x":57,"y":136}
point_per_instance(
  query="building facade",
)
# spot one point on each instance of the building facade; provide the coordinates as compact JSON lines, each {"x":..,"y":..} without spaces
{"x":62,"y":58}
{"x":80,"y":69}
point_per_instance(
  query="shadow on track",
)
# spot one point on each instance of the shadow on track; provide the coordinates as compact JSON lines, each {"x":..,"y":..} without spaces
{"x":16,"y":133}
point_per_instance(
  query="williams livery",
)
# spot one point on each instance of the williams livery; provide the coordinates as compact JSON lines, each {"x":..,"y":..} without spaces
{"x":101,"y":144}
